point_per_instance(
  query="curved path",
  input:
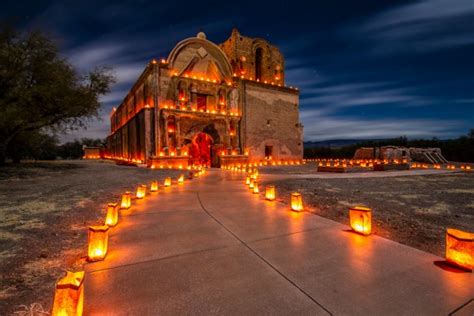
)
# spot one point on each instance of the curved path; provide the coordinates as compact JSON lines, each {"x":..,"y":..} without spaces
{"x":211,"y":247}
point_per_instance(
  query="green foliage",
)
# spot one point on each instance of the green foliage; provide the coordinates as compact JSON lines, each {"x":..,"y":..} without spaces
{"x":40,"y":90}
{"x":459,"y":149}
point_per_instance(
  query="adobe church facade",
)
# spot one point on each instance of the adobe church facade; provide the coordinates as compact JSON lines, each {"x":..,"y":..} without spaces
{"x":209,"y":104}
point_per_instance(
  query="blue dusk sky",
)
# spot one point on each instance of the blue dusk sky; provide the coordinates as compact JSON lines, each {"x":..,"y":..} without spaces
{"x":365,"y":69}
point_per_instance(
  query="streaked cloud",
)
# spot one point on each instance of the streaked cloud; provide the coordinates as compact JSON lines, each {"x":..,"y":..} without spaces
{"x":318,"y":127}
{"x":421,"y":26}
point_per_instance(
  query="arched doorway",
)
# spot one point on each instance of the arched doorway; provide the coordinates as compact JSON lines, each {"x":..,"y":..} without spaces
{"x":200,"y":151}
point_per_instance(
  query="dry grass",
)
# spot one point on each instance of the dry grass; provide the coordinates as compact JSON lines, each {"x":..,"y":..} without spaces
{"x":45,"y":209}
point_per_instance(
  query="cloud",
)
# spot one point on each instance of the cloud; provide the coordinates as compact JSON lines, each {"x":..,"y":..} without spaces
{"x":96,"y":128}
{"x":421,"y":26}
{"x":114,"y":97}
{"x":95,"y":54}
{"x":319,"y":127}
{"x":338,"y":97}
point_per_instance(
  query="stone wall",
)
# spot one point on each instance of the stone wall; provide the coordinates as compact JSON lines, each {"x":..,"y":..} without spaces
{"x":134,"y":139}
{"x":242,"y":53}
{"x":393,"y":152}
{"x":428,"y":155}
{"x":271,"y":118}
{"x":364,"y":153}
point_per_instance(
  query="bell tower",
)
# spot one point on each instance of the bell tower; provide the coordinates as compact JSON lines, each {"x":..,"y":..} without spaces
{"x":254,"y":58}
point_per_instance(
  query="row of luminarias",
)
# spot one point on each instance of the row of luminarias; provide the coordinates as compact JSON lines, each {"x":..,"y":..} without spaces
{"x":69,"y":293}
{"x":459,"y":244}
{"x":337,"y":162}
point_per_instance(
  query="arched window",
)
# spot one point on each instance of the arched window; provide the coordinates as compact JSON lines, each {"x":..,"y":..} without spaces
{"x":258,"y":64}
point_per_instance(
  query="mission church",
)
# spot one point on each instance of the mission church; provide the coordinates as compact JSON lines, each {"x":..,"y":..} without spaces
{"x":209,"y":104}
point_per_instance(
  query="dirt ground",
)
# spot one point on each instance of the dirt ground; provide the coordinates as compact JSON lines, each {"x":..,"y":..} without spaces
{"x":45,"y":209}
{"x":412,"y":210}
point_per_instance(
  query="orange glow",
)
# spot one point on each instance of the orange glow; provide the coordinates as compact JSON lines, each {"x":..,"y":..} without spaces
{"x":270,"y":193}
{"x":181,"y":179}
{"x":296,"y":202}
{"x":247,"y":180}
{"x":361,"y":219}
{"x":126,"y":200}
{"x":255,"y":188}
{"x":251,"y":184}
{"x":112,"y":214}
{"x":154,"y":186}
{"x":167,"y":182}
{"x":69,"y":295}
{"x":460,"y":248}
{"x":98,"y":241}
{"x":141,"y":191}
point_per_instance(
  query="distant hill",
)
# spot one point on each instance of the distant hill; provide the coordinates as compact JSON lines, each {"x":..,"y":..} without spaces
{"x":336,"y":143}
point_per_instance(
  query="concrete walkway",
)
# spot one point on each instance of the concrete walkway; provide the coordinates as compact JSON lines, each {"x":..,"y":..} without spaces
{"x":212,"y":247}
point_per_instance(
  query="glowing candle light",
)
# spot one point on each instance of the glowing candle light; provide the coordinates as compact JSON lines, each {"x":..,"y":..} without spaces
{"x":460,"y":248}
{"x":181,"y":179}
{"x":251,"y":184}
{"x":296,"y":202}
{"x":98,"y":241}
{"x":361,"y":219}
{"x":126,"y":200}
{"x":154,"y":186}
{"x":255,"y":188}
{"x":270,"y":193}
{"x":112,"y":214}
{"x":69,"y":295}
{"x":141,"y":191}
{"x":247,"y":180}
{"x":167,"y":182}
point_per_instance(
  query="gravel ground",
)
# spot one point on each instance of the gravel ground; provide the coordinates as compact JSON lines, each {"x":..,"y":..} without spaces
{"x":45,"y":209}
{"x":412,"y":210}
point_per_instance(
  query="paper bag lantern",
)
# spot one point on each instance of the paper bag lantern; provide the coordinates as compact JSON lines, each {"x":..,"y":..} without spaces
{"x":361,"y":219}
{"x":69,"y":295}
{"x":112,"y":214}
{"x":460,"y":248}
{"x":98,"y":242}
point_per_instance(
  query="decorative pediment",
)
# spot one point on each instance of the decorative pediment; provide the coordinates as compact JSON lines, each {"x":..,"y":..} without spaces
{"x":200,"y":58}
{"x":202,"y":65}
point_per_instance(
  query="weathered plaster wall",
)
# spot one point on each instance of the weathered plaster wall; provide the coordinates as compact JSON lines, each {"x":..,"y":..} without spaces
{"x":271,"y":118}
